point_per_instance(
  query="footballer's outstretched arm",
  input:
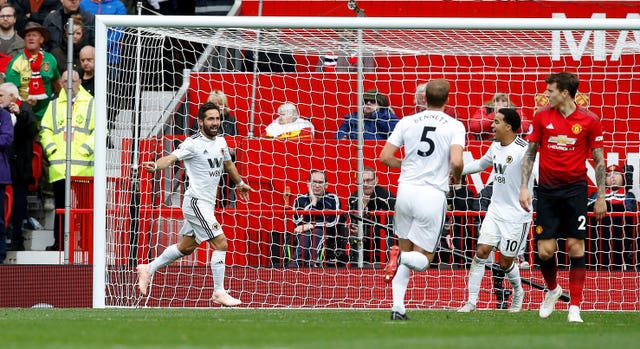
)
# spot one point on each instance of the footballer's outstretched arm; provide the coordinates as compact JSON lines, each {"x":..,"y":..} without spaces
{"x":160,"y":164}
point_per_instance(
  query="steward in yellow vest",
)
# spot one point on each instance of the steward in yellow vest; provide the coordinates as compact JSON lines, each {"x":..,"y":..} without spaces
{"x":53,"y":133}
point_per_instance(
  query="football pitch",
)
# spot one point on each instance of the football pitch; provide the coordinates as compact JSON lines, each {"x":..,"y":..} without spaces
{"x":326,"y":329}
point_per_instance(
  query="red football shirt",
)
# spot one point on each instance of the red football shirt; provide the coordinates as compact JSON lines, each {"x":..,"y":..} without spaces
{"x":564,"y":145}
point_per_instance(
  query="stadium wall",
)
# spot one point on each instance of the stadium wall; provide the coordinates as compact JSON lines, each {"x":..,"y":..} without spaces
{"x":70,"y":287}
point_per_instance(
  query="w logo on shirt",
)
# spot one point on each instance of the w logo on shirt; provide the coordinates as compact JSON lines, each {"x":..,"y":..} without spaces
{"x":499,"y":168}
{"x":214,"y":163}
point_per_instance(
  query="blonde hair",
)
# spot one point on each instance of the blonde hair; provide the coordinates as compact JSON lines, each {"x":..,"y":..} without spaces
{"x":218,"y":97}
{"x":500,"y":96}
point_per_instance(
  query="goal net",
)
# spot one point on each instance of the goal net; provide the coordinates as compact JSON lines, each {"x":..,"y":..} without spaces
{"x":327,"y":69}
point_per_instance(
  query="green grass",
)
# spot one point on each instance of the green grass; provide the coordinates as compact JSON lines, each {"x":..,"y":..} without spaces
{"x":326,"y":329}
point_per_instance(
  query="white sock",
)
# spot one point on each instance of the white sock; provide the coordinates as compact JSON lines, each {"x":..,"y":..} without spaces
{"x":399,"y":288}
{"x":218,"y":269}
{"x":476,"y":273}
{"x":414,"y":260}
{"x":513,"y":275}
{"x":168,"y":256}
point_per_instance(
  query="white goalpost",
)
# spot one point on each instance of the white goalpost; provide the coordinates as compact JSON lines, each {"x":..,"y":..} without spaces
{"x":147,"y":102}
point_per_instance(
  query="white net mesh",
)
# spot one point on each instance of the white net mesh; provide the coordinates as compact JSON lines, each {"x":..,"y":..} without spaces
{"x":167,"y":73}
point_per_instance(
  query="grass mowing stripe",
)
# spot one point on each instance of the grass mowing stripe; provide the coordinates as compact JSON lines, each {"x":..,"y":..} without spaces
{"x":326,"y":329}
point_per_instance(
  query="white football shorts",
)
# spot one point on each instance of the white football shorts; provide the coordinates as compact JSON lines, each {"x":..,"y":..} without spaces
{"x":509,"y":237}
{"x":420,"y":212}
{"x":199,"y":220}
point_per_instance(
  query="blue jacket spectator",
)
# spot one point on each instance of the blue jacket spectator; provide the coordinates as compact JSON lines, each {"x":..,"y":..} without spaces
{"x":379,"y":120}
{"x":108,"y":7}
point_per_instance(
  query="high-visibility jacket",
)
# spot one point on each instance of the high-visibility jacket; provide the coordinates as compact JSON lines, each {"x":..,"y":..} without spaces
{"x":53,"y":135}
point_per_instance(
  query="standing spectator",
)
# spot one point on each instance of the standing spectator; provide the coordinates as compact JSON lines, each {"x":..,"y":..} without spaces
{"x":203,"y":170}
{"x":374,"y":198}
{"x":315,"y":235}
{"x":6,"y":139}
{"x":114,"y":56}
{"x":54,"y":142}
{"x":614,"y":235}
{"x":481,"y":121}
{"x":289,"y":124}
{"x":506,"y":224}
{"x":34,"y":71}
{"x":108,"y":7}
{"x":11,"y":43}
{"x":33,"y":11}
{"x":565,"y":133}
{"x":87,"y":63}
{"x":379,"y":120}
{"x":79,"y":41}
{"x":433,"y":144}
{"x":55,"y":22}
{"x":24,"y":134}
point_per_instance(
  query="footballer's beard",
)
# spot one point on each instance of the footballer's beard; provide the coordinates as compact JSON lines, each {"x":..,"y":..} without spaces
{"x":210,"y":132}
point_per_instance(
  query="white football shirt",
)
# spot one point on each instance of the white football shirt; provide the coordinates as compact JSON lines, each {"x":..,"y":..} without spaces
{"x":506,"y":177}
{"x":427,"y":138}
{"x":203,"y":160}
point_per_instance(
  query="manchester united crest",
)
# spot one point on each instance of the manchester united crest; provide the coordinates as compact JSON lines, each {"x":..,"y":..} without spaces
{"x":539,"y":230}
{"x":45,"y":67}
{"x":576,"y":129}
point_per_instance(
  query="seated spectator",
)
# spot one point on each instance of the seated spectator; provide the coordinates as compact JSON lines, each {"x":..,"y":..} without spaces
{"x":480,"y":122}
{"x":108,"y":7}
{"x":421,"y":101}
{"x":33,"y":11}
{"x":79,"y":42}
{"x":87,"y":63}
{"x":289,"y":124}
{"x":25,"y":131}
{"x":379,"y":119}
{"x":345,"y":57}
{"x":612,"y":237}
{"x":229,"y":127}
{"x":11,"y":44}
{"x":56,"y":21}
{"x":315,"y":235}
{"x":34,"y":71}
{"x":275,"y":61}
{"x":374,"y":198}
